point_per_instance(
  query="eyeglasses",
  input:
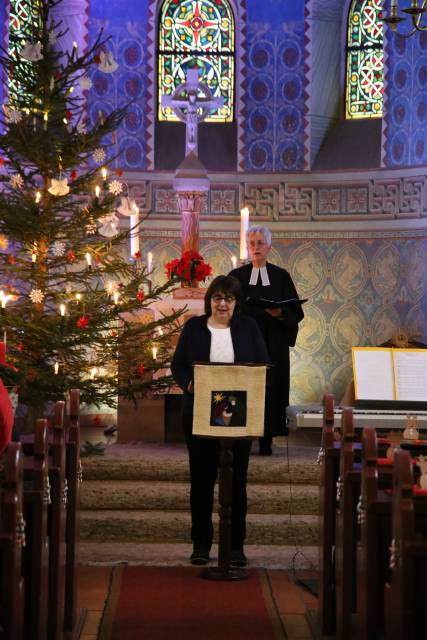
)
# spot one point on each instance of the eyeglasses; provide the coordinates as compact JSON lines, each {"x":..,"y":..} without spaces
{"x":227,"y":299}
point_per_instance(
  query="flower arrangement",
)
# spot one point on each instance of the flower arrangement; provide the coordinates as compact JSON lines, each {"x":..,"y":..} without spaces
{"x":189,"y":268}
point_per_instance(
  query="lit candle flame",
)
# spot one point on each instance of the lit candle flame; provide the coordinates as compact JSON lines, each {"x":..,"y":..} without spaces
{"x":104,"y":173}
{"x":116,"y":296}
{"x":62,"y":310}
{"x":97,"y":190}
{"x":4,"y":300}
{"x":154,"y":353}
{"x":78,"y":297}
{"x":38,"y":196}
{"x":56,"y":368}
{"x":93,"y":372}
{"x":89,"y":259}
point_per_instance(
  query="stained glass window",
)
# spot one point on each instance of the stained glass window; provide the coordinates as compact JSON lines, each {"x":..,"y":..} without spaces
{"x":22,"y":14}
{"x":365,"y":60}
{"x":197,"y":33}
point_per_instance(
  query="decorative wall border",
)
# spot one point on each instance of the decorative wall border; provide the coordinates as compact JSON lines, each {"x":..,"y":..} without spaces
{"x":308,"y":50}
{"x":294,"y":235}
{"x":377,"y":195}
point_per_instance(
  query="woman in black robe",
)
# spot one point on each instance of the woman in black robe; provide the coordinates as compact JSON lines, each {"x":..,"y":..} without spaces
{"x":278,"y":323}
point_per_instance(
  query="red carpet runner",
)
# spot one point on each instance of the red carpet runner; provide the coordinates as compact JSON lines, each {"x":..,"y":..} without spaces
{"x":161,"y":603}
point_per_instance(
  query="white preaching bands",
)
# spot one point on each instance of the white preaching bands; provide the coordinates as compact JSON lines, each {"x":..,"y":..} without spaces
{"x":264,"y":276}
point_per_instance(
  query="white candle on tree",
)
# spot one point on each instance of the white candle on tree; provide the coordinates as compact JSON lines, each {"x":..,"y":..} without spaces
{"x":150,"y":262}
{"x":134,"y":236}
{"x":234,"y":261}
{"x":244,"y":226}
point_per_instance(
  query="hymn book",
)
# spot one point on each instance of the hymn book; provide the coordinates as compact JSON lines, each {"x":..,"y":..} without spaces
{"x":390,"y":374}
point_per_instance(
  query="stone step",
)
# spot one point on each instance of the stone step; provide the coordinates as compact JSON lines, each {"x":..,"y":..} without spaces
{"x":174,"y":526}
{"x":170,"y":496}
{"x":154,"y":554}
{"x":173,"y":466}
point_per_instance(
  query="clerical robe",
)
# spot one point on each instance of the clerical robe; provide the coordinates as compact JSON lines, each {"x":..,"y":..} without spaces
{"x":279,"y":333}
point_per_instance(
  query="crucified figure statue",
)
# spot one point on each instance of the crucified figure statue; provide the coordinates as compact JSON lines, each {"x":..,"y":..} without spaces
{"x":191,"y":107}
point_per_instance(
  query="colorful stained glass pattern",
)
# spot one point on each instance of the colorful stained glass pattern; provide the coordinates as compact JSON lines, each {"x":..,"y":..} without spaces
{"x":22,"y":13}
{"x":197,"y":33}
{"x":365,"y":60}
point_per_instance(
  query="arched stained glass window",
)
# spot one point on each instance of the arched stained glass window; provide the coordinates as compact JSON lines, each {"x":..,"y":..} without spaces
{"x":21,"y":16}
{"x":365,"y":60}
{"x":197,"y":33}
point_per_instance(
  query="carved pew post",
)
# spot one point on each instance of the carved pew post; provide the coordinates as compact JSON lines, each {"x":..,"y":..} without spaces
{"x":406,"y":594}
{"x":74,"y":479}
{"x":57,"y":518}
{"x":348,"y":488}
{"x":12,"y":540}
{"x":329,"y":461}
{"x":36,"y":552}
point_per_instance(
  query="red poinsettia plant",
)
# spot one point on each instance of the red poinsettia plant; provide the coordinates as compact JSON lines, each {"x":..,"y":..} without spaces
{"x":189,"y":268}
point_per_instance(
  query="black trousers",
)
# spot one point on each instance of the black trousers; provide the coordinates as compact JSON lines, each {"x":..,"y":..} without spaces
{"x":204,"y":459}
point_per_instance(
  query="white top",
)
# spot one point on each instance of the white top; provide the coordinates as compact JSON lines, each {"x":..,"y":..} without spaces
{"x":221,"y":345}
{"x":255,"y":275}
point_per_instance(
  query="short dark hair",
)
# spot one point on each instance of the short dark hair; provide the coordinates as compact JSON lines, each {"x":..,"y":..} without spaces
{"x":228,"y":285}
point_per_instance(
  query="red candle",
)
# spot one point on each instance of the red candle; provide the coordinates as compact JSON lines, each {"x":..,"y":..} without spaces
{"x":2,"y":352}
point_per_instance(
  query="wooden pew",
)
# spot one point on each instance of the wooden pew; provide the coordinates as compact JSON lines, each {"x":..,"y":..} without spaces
{"x":329,"y":469}
{"x":36,"y":551}
{"x":12,"y":540}
{"x":57,"y":521}
{"x":406,"y":592}
{"x":348,"y":489}
{"x":72,"y":619}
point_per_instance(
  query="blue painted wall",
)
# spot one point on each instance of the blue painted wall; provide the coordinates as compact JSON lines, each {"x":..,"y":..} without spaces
{"x":274,"y":102}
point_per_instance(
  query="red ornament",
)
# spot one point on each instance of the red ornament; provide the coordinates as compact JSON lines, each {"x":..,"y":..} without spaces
{"x":113,"y":333}
{"x":11,"y":259}
{"x":73,"y":174}
{"x":20,"y":346}
{"x":137,"y":255}
{"x":71,"y":256}
{"x":140,"y":369}
{"x":140,"y":296}
{"x":1,"y":162}
{"x":97,"y":421}
{"x":83,"y":322}
{"x":119,"y":172}
{"x":68,"y":115}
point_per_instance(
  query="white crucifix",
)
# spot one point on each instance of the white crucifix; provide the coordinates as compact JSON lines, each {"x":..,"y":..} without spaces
{"x":192,"y":101}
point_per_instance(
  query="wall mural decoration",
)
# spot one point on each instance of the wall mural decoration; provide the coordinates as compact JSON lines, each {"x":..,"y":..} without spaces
{"x":361,"y":292}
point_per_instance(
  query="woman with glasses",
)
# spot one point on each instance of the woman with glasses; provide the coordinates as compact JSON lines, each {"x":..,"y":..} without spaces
{"x":224,"y":335}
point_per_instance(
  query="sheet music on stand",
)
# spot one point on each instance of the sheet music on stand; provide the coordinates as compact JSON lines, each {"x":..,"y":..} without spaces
{"x":390,"y":377}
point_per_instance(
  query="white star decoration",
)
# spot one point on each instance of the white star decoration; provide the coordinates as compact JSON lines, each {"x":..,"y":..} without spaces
{"x":85,"y":83}
{"x":58,"y":248}
{"x":12,"y":115}
{"x":36,"y":296}
{"x":17,"y":181}
{"x":115,"y":187}
{"x":99,"y":155}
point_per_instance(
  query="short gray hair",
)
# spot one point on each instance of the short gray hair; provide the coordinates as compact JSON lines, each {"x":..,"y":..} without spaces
{"x":260,"y":229}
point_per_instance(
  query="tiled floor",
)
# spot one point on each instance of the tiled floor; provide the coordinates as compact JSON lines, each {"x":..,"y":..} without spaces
{"x":292,"y":601}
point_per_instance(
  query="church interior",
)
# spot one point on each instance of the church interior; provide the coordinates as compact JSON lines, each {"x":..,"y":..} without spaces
{"x":305,"y":117}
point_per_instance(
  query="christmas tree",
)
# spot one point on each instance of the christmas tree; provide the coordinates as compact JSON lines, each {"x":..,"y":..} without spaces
{"x":69,"y":292}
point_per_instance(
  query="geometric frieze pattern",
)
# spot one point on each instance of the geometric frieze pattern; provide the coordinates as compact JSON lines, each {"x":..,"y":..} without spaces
{"x":360,"y":292}
{"x":400,"y":197}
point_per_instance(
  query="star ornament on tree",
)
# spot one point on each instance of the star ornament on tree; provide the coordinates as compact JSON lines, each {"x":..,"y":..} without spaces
{"x":36,"y":296}
{"x":99,"y":155}
{"x":17,"y":181}
{"x":115,"y":187}
{"x":83,"y":322}
{"x":12,"y":115}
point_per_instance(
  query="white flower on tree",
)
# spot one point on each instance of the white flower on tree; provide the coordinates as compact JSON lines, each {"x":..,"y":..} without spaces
{"x":36,"y":296}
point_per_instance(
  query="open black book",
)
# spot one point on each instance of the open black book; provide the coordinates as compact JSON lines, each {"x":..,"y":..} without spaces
{"x":264,"y":303}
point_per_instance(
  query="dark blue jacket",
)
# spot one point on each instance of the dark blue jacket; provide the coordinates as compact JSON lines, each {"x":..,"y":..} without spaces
{"x":194,"y":345}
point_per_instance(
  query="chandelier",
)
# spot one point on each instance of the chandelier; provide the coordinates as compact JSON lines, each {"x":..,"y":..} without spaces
{"x":414,"y":14}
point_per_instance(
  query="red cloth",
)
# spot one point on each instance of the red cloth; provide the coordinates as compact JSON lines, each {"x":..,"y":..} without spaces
{"x":6,"y":418}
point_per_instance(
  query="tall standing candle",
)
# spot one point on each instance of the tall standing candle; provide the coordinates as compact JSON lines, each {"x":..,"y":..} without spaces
{"x":2,"y":352}
{"x":244,"y":226}
{"x":134,"y":238}
{"x":150,"y":262}
{"x":234,"y":261}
